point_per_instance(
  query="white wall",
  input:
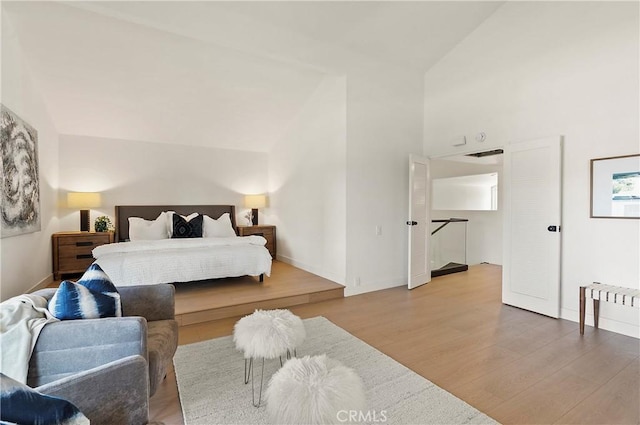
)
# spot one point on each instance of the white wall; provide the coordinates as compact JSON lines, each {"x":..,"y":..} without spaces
{"x":144,"y":173}
{"x":462,"y":197}
{"x":536,"y":69}
{"x":308,"y":184}
{"x":342,"y":170}
{"x":484,"y":229}
{"x":459,"y":193}
{"x":26,"y":259}
{"x":384,"y":126}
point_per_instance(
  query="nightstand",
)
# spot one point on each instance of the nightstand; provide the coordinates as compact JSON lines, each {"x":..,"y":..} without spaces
{"x":265,"y":230}
{"x":72,"y":250}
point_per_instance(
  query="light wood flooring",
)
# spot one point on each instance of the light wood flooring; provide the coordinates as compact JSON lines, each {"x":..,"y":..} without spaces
{"x":518,"y":367}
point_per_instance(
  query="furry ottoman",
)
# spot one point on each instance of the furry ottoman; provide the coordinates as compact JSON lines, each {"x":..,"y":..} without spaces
{"x":314,"y":390}
{"x":267,"y":334}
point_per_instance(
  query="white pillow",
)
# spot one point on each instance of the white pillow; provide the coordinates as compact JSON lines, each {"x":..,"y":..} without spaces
{"x":141,"y":229}
{"x":220,"y":228}
{"x":170,"y":220}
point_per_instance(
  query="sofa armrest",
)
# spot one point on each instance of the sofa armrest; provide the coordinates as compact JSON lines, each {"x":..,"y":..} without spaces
{"x":114,"y":393}
{"x":70,"y":346}
{"x":153,"y":302}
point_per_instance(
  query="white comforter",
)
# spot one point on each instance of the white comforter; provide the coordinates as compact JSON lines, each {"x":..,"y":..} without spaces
{"x":183,"y":260}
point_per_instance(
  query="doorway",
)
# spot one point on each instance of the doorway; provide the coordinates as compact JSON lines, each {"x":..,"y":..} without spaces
{"x":529,"y":221}
{"x":467,"y":187}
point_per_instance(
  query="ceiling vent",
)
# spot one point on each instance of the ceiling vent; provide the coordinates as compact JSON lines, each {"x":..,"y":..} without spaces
{"x":486,"y":153}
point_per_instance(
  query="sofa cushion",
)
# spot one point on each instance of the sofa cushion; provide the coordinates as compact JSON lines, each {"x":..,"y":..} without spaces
{"x":68,"y":347}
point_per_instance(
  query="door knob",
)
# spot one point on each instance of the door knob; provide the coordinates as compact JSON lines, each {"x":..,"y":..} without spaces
{"x":412,"y":223}
{"x":552,"y":228}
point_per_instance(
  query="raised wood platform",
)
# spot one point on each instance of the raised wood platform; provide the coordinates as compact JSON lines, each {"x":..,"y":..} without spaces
{"x":222,"y":298}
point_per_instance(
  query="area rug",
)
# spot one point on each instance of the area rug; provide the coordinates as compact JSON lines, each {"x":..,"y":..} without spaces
{"x":210,"y":383}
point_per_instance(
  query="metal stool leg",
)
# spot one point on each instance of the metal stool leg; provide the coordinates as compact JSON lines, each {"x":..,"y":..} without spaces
{"x":290,"y":354}
{"x":246,"y":372}
{"x":253,"y":392}
{"x":249,"y":371}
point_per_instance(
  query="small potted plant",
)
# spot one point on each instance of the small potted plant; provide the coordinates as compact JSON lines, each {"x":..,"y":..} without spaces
{"x":103,"y":224}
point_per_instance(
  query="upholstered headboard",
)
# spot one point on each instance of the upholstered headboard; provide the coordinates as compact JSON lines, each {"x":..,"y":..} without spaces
{"x":151,"y":212}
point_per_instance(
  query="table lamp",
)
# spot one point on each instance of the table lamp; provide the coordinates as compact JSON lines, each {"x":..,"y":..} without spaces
{"x":84,"y":201}
{"x":254,"y":202}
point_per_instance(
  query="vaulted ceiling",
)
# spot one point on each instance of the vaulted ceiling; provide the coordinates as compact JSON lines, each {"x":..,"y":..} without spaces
{"x":222,"y":74}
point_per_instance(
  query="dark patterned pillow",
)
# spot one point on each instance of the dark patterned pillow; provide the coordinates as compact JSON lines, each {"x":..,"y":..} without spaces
{"x":187,"y":229}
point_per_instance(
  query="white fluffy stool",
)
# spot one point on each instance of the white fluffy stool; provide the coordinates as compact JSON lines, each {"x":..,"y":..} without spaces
{"x":314,"y":390}
{"x":267,"y":334}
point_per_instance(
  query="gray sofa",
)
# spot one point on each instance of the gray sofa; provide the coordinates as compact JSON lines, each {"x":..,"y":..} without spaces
{"x":109,"y":367}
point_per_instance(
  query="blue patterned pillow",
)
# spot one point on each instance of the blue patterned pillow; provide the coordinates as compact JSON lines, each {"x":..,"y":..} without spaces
{"x":20,"y":404}
{"x":96,"y":280}
{"x":92,"y":297}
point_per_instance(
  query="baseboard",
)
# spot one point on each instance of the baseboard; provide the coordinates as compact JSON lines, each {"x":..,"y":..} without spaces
{"x":349,"y":290}
{"x":311,"y":269}
{"x":42,"y":284}
{"x":623,"y":328}
{"x":374,"y":286}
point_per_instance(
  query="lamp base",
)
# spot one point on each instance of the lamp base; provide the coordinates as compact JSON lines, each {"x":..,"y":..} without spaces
{"x":254,"y":216}
{"x":84,"y":221}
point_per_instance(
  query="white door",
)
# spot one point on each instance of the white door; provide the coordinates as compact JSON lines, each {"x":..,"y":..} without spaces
{"x":532,"y":208}
{"x":418,"y":223}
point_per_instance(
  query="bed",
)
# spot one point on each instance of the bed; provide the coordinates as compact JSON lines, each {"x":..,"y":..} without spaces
{"x":168,"y":260}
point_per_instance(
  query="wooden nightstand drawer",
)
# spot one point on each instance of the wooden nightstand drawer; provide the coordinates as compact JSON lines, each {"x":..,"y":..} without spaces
{"x":267,"y":231}
{"x":84,"y":241}
{"x":74,"y":264}
{"x":72,"y":250}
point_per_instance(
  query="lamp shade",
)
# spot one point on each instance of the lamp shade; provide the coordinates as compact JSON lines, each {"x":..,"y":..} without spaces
{"x":84,"y":200}
{"x":255,"y":201}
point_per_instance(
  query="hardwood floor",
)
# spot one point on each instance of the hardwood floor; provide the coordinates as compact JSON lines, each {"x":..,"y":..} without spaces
{"x":515,"y":366}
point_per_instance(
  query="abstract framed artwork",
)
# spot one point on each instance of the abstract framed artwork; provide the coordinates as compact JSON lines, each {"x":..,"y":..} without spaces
{"x":615,"y":187}
{"x":20,"y":208}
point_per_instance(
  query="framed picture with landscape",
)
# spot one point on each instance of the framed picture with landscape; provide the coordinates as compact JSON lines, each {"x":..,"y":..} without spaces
{"x":615,"y":187}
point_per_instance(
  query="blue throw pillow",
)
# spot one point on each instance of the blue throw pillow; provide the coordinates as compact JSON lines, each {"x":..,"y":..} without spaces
{"x":96,"y":280}
{"x":74,"y":301}
{"x":92,"y":297}
{"x":20,"y":404}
